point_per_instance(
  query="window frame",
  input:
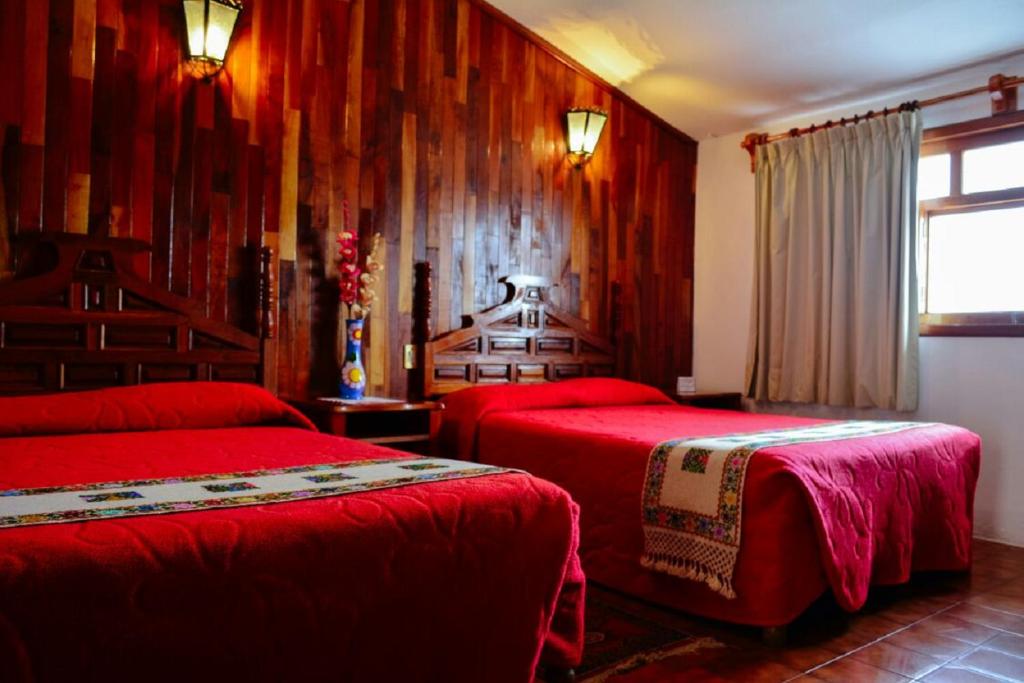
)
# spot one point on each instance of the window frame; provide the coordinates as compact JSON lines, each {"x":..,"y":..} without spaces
{"x":954,"y":140}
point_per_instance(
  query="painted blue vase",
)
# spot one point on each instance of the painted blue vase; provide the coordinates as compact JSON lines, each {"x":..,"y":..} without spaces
{"x":353,"y":377}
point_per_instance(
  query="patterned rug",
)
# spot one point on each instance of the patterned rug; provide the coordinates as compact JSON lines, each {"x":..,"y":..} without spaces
{"x":625,"y":635}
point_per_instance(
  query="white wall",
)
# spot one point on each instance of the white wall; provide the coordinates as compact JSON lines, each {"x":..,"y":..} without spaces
{"x":976,"y":383}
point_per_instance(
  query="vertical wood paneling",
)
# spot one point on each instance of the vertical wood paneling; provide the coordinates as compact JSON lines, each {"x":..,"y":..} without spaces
{"x":440,"y":121}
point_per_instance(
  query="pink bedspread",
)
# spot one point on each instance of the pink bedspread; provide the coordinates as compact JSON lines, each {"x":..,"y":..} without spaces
{"x":871,"y":510}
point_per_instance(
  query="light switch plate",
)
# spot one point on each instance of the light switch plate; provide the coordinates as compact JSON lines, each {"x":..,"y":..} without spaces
{"x":686,"y":385}
{"x":409,"y":356}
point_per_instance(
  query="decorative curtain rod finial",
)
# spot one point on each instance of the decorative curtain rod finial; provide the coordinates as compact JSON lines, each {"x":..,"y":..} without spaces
{"x":750,"y":144}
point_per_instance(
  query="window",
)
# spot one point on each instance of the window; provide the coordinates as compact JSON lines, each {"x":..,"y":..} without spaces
{"x":970,"y":191}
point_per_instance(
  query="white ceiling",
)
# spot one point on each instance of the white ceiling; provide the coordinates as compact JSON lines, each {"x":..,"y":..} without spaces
{"x":712,"y":67}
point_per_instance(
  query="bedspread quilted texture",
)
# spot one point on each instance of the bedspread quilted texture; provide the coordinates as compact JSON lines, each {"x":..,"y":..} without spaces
{"x":466,"y":408}
{"x":844,"y":515}
{"x":147,"y":407}
{"x":462,"y":580}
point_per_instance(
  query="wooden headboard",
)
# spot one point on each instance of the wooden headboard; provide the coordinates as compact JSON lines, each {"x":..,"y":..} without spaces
{"x":76,"y":317}
{"x":525,"y":339}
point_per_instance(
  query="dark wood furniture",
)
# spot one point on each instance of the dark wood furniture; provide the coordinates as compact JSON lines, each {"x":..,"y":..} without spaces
{"x":76,"y":317}
{"x":526,"y":339}
{"x":405,"y":425}
{"x":725,"y":400}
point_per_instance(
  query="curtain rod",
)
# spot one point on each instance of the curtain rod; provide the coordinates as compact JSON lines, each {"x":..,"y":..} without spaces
{"x":1000,"y":86}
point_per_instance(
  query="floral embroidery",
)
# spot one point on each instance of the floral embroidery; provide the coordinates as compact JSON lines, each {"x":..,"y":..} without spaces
{"x":228,"y":488}
{"x":249,"y":474}
{"x":86,"y":514}
{"x":325,"y":478}
{"x":107,"y":497}
{"x":696,"y":460}
{"x":700,"y":546}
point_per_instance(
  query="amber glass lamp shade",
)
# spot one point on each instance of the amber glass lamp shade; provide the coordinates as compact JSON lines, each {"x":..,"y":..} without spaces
{"x":584,"y":128}
{"x":209,"y":25}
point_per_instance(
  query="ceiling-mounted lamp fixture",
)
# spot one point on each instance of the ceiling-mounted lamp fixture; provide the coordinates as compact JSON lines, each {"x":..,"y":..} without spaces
{"x":584,"y":128}
{"x":209,"y":24}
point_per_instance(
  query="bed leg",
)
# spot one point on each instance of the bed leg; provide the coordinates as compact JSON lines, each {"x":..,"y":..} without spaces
{"x":556,"y":675}
{"x":774,"y":636}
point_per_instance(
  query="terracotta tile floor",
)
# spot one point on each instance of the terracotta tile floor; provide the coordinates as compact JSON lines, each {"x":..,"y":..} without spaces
{"x":939,"y":628}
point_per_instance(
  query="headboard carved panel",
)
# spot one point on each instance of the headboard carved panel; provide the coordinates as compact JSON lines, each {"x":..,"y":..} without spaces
{"x":525,"y":339}
{"x":76,"y":317}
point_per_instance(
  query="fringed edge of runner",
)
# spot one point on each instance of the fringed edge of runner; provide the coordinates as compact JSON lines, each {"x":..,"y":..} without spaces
{"x":688,"y":569}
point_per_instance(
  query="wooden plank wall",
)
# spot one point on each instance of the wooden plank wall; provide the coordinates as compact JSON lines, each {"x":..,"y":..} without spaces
{"x":439,"y":120}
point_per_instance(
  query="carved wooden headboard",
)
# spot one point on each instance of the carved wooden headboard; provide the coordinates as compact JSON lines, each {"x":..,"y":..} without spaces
{"x":76,"y":317}
{"x":524,"y":339}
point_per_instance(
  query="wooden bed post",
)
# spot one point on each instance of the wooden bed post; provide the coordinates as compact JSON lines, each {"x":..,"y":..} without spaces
{"x":267,"y":316}
{"x":421,"y":311}
{"x":615,"y":315}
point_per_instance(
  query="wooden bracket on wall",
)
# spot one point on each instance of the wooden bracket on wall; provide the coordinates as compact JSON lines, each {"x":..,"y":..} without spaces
{"x":1004,"y":97}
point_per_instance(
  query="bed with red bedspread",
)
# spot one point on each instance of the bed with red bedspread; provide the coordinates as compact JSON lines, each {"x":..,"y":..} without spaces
{"x":461,"y":580}
{"x":841,"y":515}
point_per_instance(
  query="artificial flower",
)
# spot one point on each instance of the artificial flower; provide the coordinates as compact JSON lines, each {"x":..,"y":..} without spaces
{"x":355,"y":283}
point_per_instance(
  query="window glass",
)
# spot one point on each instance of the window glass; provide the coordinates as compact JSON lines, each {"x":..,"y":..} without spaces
{"x":994,"y":168}
{"x":974,"y":261}
{"x":933,"y":177}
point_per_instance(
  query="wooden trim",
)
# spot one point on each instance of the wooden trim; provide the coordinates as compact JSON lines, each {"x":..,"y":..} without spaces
{"x":956,"y":173}
{"x":988,"y":324}
{"x":330,"y":406}
{"x":984,"y":138}
{"x":569,"y":61}
{"x":995,"y":324}
{"x":976,"y":201}
{"x":973,"y":127}
{"x":955,"y":139}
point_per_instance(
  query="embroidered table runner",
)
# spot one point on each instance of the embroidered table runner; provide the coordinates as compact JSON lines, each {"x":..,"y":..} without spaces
{"x":693,"y":496}
{"x":81,"y":502}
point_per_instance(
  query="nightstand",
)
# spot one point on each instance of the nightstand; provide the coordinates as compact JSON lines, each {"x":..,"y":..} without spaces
{"x":725,"y":400}
{"x":407,"y":426}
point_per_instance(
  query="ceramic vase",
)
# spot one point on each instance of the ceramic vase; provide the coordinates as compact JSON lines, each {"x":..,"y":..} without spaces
{"x":353,"y":377}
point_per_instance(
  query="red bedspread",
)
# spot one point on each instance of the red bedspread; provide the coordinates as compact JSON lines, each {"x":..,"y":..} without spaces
{"x":448,"y":581}
{"x":841,"y":514}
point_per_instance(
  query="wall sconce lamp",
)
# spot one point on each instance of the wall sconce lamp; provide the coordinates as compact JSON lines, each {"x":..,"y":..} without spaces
{"x":209,"y":24}
{"x":584,"y":127}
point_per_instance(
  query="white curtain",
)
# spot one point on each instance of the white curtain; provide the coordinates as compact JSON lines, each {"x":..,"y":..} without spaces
{"x":835,"y":288}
